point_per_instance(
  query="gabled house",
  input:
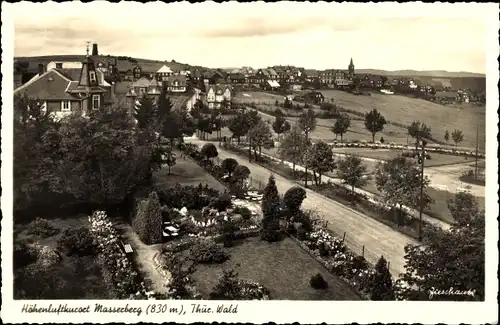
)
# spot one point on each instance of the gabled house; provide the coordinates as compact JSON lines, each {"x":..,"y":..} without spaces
{"x":262,"y":76}
{"x":216,"y":94}
{"x":327,"y":77}
{"x":237,"y":78}
{"x":273,"y":75}
{"x":314,"y":96}
{"x":63,"y":91}
{"x":176,"y":84}
{"x":196,"y":75}
{"x":137,"y":71}
{"x":163,"y":73}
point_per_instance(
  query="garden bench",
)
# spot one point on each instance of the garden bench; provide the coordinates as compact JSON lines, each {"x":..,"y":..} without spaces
{"x":128,"y":249}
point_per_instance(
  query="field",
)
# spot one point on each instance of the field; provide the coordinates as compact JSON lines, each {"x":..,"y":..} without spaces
{"x":404,"y":110}
{"x":71,"y":278}
{"x":186,"y":172}
{"x":439,"y":209}
{"x":357,"y":131}
{"x":395,"y":108}
{"x":283,"y":267}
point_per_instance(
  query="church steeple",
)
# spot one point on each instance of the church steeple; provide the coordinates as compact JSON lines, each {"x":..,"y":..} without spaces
{"x":351,"y":68}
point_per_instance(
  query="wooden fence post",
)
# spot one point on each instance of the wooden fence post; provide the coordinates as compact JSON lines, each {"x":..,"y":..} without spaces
{"x":343,"y":238}
{"x":389,"y":265}
{"x":363,"y":251}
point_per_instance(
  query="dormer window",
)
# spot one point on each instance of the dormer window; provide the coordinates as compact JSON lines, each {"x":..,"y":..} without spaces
{"x":92,"y":76}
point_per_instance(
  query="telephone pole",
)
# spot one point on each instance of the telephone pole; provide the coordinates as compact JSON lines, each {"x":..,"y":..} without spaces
{"x":476,"y":169}
{"x":421,"y":210}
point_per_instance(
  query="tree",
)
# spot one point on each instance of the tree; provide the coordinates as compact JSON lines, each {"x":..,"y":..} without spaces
{"x":239,"y":125}
{"x":320,"y":160}
{"x":217,"y":122}
{"x":341,"y":125}
{"x":208,"y":151}
{"x":374,"y":122}
{"x":228,"y":166}
{"x":148,"y":220}
{"x":382,"y":286}
{"x":240,"y":174}
{"x":352,"y":171}
{"x":293,"y":146}
{"x":419,"y":131}
{"x":292,"y":200}
{"x":446,"y":259}
{"x":169,"y":158}
{"x":457,"y":137}
{"x":446,"y":136}
{"x":225,"y":104}
{"x":144,"y":112}
{"x":260,"y":136}
{"x":399,"y":180}
{"x":280,"y":125}
{"x":204,"y":125}
{"x":307,"y":121}
{"x":270,"y":211}
{"x":36,"y":150}
{"x":198,"y":108}
{"x":103,"y":150}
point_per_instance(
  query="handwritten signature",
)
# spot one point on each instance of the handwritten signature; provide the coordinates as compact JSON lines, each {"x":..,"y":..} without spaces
{"x":451,"y":292}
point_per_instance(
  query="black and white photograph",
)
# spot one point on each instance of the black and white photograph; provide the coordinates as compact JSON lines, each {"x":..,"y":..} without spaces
{"x":209,"y":154}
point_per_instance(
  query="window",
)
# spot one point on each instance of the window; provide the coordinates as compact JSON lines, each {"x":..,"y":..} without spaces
{"x":66,"y":106}
{"x":92,"y":76}
{"x":96,"y":101}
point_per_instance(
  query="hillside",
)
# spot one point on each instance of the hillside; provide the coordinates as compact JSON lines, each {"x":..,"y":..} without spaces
{"x":127,"y":62}
{"x":431,"y":73}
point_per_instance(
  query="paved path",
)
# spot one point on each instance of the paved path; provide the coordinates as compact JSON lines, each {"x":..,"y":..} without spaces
{"x":372,"y":197}
{"x":144,"y":255}
{"x":361,"y":230}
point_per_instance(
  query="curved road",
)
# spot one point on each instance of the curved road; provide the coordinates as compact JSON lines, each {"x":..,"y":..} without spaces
{"x":377,"y":238}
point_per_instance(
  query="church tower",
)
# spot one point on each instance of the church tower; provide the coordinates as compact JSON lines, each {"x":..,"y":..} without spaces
{"x":351,"y":69}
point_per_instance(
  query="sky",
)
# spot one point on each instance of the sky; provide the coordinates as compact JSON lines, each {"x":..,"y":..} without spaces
{"x":311,"y":35}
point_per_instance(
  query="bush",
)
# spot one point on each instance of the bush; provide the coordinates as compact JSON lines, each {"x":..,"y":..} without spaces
{"x":222,"y":202}
{"x":207,"y":251}
{"x":293,"y":199}
{"x":317,"y":282}
{"x":148,"y":221}
{"x":24,"y":255}
{"x":191,"y":197}
{"x":229,"y":165}
{"x":278,"y":112}
{"x":209,"y":151}
{"x":232,"y":288}
{"x":42,"y":227}
{"x":187,"y":227}
{"x":77,"y":241}
{"x":382,"y":140}
{"x":245,"y":212}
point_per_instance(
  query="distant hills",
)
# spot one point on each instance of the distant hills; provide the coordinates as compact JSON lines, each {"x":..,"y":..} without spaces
{"x":35,"y":60}
{"x":430,"y":73}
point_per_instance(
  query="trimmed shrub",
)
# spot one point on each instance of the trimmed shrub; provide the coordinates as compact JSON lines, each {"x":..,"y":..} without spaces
{"x":77,"y":241}
{"x":222,"y":202}
{"x":228,"y":166}
{"x":245,"y":212}
{"x":230,"y":287}
{"x":209,"y":151}
{"x":42,"y":227}
{"x":293,"y":199}
{"x":149,"y":220}
{"x":207,"y":251}
{"x":317,"y":282}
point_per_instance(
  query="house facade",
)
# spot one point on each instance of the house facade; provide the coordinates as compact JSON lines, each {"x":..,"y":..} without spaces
{"x":65,"y":91}
{"x":176,"y":84}
{"x":216,"y":94}
{"x":163,"y":73}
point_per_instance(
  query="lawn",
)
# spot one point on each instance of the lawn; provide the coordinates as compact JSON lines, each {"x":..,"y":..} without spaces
{"x":357,"y":131}
{"x":283,"y":267}
{"x":185,"y":172}
{"x":73,"y":277}
{"x":404,"y":110}
{"x":439,"y":209}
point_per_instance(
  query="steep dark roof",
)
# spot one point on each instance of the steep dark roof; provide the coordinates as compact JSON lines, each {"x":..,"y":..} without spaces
{"x":51,"y":85}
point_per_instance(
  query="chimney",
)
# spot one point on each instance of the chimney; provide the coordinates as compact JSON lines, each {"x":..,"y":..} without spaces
{"x":41,"y":68}
{"x":59,"y":65}
{"x":18,"y":79}
{"x":94,"y":49}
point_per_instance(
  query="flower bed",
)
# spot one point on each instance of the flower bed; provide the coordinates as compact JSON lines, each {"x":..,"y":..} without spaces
{"x":331,"y":252}
{"x":119,"y":271}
